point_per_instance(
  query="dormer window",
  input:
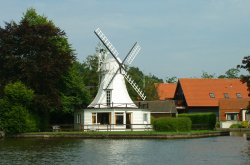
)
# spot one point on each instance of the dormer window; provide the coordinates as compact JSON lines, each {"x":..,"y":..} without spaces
{"x":238,"y":95}
{"x":226,"y":95}
{"x":211,"y":94}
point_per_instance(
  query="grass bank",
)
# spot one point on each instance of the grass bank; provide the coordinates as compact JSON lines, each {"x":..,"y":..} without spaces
{"x":125,"y":135}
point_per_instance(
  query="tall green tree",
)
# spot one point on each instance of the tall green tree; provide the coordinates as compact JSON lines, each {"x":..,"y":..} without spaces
{"x":74,"y":95}
{"x":90,"y":74}
{"x":36,"y":52}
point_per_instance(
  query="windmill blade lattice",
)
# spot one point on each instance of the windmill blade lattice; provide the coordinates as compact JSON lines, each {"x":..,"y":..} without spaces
{"x":106,"y":42}
{"x":133,"y":53}
{"x":135,"y":86}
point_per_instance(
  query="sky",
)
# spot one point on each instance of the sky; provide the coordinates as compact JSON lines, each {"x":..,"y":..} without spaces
{"x":181,"y":38}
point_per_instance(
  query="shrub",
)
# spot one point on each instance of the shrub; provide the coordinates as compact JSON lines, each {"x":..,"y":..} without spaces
{"x":207,"y":120}
{"x":15,"y":116}
{"x":245,"y":124}
{"x":236,"y":126}
{"x":172,"y":124}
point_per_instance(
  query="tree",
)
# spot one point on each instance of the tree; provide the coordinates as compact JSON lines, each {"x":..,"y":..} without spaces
{"x":150,"y":87}
{"x":145,"y":82}
{"x":245,"y":65}
{"x":171,"y":79}
{"x":90,"y":70}
{"x":15,"y":109}
{"x":90,"y":74}
{"x":231,"y":73}
{"x":36,"y":52}
{"x":138,"y":77}
{"x":74,"y":95}
{"x":207,"y":75}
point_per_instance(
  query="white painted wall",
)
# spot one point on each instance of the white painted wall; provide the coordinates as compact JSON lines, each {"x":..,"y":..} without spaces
{"x":136,"y":117}
{"x":227,"y":124}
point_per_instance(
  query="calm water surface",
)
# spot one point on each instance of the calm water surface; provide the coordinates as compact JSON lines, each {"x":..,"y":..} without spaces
{"x":205,"y":151}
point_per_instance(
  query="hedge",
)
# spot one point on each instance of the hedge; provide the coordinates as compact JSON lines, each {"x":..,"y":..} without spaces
{"x":204,"y":119}
{"x":180,"y":124}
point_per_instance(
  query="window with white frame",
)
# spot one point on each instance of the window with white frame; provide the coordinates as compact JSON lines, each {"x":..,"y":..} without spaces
{"x":101,"y":118}
{"x":232,"y":116}
{"x":119,"y":118}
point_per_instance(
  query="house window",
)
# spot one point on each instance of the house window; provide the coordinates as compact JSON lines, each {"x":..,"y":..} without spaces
{"x":226,"y":95}
{"x":238,"y":95}
{"x":119,"y":118}
{"x":145,"y":117}
{"x":78,"y":118}
{"x":103,"y":118}
{"x":232,"y":116}
{"x":108,"y":97}
{"x":211,"y":94}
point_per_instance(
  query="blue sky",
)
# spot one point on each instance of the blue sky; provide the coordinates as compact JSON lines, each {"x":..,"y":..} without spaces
{"x":178,"y":38}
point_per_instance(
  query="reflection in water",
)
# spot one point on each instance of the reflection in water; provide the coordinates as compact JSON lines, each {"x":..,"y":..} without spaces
{"x":218,"y":150}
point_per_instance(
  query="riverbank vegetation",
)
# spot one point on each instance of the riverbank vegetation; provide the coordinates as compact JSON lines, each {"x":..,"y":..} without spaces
{"x":203,"y":120}
{"x":180,"y":124}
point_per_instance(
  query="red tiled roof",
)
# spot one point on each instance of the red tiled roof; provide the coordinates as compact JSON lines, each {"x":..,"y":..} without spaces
{"x":196,"y":91}
{"x":166,"y":90}
{"x":233,"y":104}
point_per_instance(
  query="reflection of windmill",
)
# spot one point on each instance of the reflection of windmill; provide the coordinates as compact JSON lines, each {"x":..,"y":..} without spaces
{"x":112,"y":89}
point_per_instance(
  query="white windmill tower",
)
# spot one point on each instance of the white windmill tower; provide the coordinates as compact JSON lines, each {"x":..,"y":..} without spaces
{"x":112,"y":90}
{"x":112,"y":104}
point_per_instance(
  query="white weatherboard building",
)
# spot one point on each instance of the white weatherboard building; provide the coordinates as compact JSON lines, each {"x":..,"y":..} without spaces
{"x":112,"y":109}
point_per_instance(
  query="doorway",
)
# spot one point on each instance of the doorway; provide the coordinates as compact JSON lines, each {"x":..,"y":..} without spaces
{"x":128,"y":120}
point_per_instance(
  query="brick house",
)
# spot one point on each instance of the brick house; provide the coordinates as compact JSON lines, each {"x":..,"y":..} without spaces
{"x":233,"y":111}
{"x":203,"y":95}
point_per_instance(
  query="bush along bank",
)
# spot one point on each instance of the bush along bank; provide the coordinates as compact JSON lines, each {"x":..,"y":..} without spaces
{"x":180,"y":124}
{"x":201,"y":120}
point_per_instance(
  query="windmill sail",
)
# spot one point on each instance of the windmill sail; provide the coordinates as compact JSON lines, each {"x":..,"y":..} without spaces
{"x":130,"y":57}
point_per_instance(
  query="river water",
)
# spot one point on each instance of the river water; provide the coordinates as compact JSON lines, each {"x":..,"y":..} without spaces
{"x":229,"y":150}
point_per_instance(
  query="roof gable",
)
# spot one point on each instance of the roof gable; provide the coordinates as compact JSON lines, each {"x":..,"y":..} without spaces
{"x":198,"y":92}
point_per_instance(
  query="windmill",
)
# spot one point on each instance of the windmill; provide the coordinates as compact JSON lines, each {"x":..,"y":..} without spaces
{"x":112,"y":89}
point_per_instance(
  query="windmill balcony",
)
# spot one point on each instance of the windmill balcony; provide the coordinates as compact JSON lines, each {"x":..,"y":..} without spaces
{"x":118,"y":105}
